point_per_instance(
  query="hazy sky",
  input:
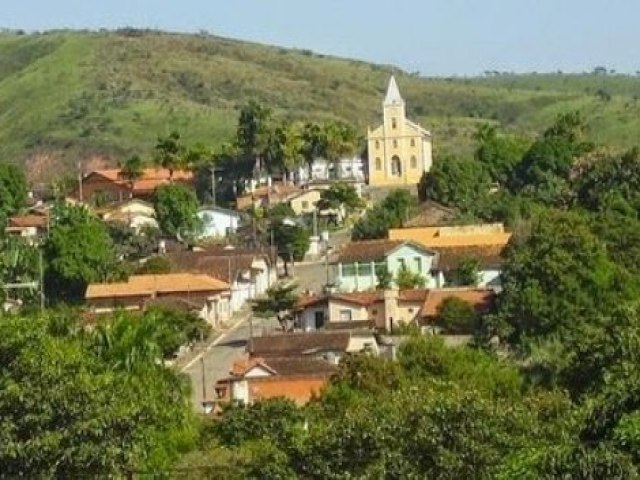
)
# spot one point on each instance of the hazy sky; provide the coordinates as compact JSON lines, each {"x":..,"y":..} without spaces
{"x":441,"y":37}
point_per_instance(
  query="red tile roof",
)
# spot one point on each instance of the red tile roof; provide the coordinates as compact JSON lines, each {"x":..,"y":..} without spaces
{"x":481,"y":299}
{"x":142,"y":285}
{"x":288,"y":344}
{"x":367,"y":251}
{"x":150,"y":179}
{"x":25,"y":221}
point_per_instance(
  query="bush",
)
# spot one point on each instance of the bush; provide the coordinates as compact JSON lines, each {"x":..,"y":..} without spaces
{"x":456,"y":316}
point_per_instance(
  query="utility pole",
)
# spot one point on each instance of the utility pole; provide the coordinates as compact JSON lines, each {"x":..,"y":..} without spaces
{"x":41,"y":267}
{"x":204,"y":383}
{"x":213,"y":186}
{"x":80,"y":181}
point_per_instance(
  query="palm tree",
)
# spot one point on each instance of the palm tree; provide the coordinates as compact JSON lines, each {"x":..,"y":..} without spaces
{"x":132,"y":169}
{"x":169,"y":153}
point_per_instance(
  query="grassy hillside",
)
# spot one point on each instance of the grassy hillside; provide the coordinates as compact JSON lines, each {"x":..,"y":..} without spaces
{"x":70,"y":95}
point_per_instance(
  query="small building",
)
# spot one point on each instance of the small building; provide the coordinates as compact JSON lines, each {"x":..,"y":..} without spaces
{"x":30,"y":227}
{"x":481,"y":299}
{"x":297,"y":379}
{"x":453,"y":244}
{"x":384,"y":310}
{"x":112,"y":185}
{"x":359,"y":263}
{"x":430,"y":214}
{"x":247,"y":272}
{"x":305,"y":201}
{"x":266,"y":196}
{"x":208,"y":295}
{"x":348,"y":168}
{"x":218,"y":222}
{"x":133,"y":212}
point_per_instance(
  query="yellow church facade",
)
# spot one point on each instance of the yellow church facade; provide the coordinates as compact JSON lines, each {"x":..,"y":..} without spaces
{"x":399,"y":150}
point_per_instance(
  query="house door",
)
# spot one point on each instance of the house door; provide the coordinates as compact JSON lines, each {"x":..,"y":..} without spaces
{"x":319,"y":320}
{"x":396,"y":166}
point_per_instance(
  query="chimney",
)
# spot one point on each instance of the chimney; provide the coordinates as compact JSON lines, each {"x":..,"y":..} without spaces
{"x":391,"y":311}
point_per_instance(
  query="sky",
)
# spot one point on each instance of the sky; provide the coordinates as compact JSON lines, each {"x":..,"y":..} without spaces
{"x":435,"y":38}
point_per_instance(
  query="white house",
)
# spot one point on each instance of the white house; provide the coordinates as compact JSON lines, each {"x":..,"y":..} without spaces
{"x":350,"y":168}
{"x":133,"y":212}
{"x":218,"y":222}
{"x":357,"y":263}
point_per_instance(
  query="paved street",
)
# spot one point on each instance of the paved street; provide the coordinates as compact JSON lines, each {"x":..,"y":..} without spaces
{"x":219,"y":358}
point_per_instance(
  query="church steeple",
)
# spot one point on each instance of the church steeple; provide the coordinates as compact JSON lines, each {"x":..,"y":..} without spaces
{"x":393,"y":94}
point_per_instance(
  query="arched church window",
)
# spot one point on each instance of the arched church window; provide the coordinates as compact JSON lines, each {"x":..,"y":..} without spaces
{"x":413,"y":142}
{"x":378,"y":163}
{"x":394,"y":123}
{"x":377,"y":144}
{"x":395,"y":143}
{"x":396,"y":166}
{"x":414,"y":162}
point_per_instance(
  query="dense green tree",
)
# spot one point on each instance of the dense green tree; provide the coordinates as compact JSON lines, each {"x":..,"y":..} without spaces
{"x":392,"y":212}
{"x":459,"y":182}
{"x":342,"y":140}
{"x":156,"y":264}
{"x":314,"y":143}
{"x":609,"y":181}
{"x":278,"y":302}
{"x":466,"y":273}
{"x":170,"y":153}
{"x":545,"y":169}
{"x":457,"y":316}
{"x":176,"y":209}
{"x":253,"y":131}
{"x":291,"y":239}
{"x":13,"y":189}
{"x":340,"y":194}
{"x":384,"y":278}
{"x":497,"y":153}
{"x":556,"y":277}
{"x":67,"y":413}
{"x":132,"y":169}
{"x":132,"y":244}
{"x":77,"y":251}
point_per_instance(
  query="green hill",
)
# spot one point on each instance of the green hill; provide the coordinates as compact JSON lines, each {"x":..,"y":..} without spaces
{"x":70,"y":95}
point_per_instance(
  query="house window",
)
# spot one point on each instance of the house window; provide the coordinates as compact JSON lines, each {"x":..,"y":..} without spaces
{"x":349,"y":270}
{"x":395,"y":143}
{"x":345,"y":315}
{"x":319,"y":319}
{"x":413,"y":142}
{"x":418,"y":264}
{"x":374,"y":312}
{"x":378,"y":163}
{"x":305,"y":204}
{"x":364,"y":269}
{"x":377,"y":144}
{"x":414,"y":162}
{"x":394,"y":123}
{"x":401,"y":263}
{"x":411,"y":310}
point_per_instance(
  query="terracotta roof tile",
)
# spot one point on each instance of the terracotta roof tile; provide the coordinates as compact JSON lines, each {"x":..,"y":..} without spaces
{"x":431,"y":213}
{"x":149,"y":284}
{"x":224,"y":267}
{"x":450,"y":257}
{"x":288,"y":344}
{"x":367,"y":251}
{"x":25,"y":221}
{"x":481,"y":299}
{"x":413,"y":295}
{"x":150,"y":179}
{"x":453,"y":236}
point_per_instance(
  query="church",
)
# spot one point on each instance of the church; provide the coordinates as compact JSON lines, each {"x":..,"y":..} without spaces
{"x":399,"y":150}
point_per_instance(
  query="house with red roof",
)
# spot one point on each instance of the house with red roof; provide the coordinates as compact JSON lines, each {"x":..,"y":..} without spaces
{"x":112,"y":185}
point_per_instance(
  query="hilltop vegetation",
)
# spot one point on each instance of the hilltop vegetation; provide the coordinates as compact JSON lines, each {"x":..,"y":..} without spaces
{"x":76,"y":94}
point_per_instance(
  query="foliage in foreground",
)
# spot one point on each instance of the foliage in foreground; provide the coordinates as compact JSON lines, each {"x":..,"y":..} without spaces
{"x":70,"y":409}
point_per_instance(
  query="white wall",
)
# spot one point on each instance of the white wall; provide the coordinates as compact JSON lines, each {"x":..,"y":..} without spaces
{"x":217,"y":223}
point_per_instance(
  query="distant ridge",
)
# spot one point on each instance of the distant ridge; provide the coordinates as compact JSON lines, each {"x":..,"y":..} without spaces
{"x":68,"y":95}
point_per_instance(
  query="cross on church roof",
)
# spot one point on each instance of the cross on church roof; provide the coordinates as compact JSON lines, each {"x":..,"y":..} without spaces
{"x":393,"y":94}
